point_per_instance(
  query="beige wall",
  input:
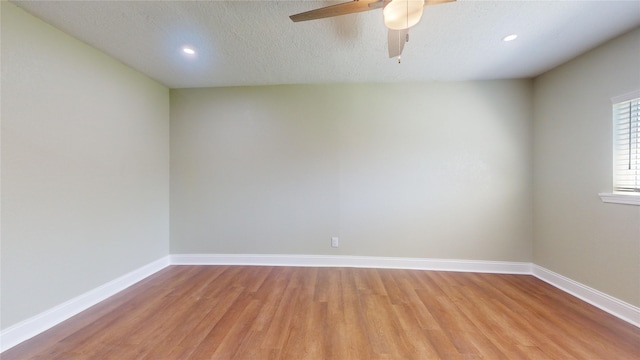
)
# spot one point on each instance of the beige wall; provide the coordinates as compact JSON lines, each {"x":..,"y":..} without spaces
{"x":438,"y":170}
{"x":576,"y":234}
{"x":85,"y":174}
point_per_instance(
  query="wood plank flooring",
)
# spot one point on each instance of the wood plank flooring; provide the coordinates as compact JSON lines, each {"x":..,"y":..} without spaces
{"x":246,"y":312}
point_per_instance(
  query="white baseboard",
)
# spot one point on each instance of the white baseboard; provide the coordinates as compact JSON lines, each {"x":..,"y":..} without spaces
{"x":33,"y":326}
{"x":44,"y":321}
{"x":353,"y":261}
{"x":613,"y":306}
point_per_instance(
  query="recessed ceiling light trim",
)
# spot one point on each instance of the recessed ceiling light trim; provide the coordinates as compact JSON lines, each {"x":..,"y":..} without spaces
{"x":510,"y":37}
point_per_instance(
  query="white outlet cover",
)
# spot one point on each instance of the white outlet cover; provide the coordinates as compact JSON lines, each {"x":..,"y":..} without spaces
{"x":334,"y":242}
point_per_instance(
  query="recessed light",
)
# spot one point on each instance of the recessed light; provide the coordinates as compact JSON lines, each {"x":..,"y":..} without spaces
{"x":188,"y":50}
{"x":510,"y":37}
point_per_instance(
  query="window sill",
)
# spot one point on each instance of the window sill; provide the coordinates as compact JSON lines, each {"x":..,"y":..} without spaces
{"x":619,"y":198}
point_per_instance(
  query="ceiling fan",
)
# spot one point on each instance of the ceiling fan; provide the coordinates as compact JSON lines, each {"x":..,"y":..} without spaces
{"x":399,"y":16}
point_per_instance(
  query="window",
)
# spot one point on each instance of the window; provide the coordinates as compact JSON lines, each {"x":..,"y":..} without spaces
{"x":626,"y":150}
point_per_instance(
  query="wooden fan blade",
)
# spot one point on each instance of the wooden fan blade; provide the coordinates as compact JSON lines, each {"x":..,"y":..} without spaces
{"x":436,"y":2}
{"x":396,"y":40}
{"x":351,"y":7}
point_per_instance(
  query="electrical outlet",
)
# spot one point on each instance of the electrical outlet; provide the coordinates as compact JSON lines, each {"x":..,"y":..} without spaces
{"x":334,"y":242}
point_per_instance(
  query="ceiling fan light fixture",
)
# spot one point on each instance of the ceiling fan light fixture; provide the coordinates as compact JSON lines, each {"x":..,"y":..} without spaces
{"x":402,"y":14}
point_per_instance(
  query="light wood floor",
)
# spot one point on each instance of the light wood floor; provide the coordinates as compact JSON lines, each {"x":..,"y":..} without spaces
{"x":241,"y":312}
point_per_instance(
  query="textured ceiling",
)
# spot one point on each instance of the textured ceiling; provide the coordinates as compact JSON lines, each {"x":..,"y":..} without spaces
{"x":255,"y":42}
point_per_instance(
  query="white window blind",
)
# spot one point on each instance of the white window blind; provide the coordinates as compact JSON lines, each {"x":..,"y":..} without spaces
{"x":626,"y":130}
